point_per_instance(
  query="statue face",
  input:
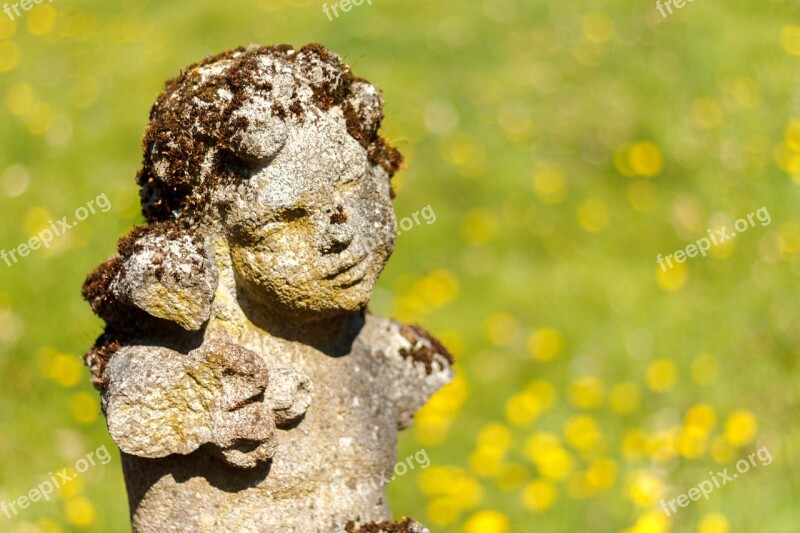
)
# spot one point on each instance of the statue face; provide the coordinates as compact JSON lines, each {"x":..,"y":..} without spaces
{"x":311,"y":231}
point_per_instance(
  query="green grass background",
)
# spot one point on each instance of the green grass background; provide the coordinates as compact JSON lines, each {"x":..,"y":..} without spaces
{"x":563,"y":146}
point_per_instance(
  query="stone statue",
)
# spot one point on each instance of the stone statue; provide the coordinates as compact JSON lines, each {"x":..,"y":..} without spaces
{"x":241,"y":375}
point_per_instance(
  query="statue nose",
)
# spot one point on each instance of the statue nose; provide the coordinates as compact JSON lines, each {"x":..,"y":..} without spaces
{"x":337,"y":215}
{"x":338,"y":234}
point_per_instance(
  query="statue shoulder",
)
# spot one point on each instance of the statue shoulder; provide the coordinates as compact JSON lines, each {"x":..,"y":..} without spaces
{"x":400,"y":341}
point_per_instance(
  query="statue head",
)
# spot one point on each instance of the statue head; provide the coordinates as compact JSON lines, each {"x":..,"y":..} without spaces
{"x":276,"y":152}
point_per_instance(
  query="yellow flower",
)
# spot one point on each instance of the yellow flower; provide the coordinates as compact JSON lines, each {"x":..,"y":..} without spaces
{"x":66,"y":370}
{"x":645,"y":159}
{"x":701,"y":416}
{"x":601,"y":474}
{"x":713,"y":523}
{"x":644,"y":489}
{"x":84,"y":407}
{"x":493,"y":441}
{"x":793,"y":135}
{"x":790,"y":39}
{"x":635,"y":445}
{"x":486,"y":461}
{"x":431,"y":427}
{"x":525,"y":407}
{"x":545,"y":344}
{"x":539,"y":495}
{"x":453,"y":482}
{"x":495,"y":435}
{"x":672,"y":279}
{"x":7,"y":28}
{"x":663,"y":444}
{"x":721,"y":450}
{"x":661,"y":375}
{"x":582,"y":432}
{"x":41,"y":20}
{"x":552,"y":461}
{"x":586,"y":392}
{"x":522,"y":409}
{"x":466,"y":490}
{"x":624,"y":397}
{"x":439,"y":288}
{"x":72,"y":488}
{"x":487,"y":522}
{"x":692,"y":442}
{"x":652,"y":522}
{"x":741,"y":427}
{"x":539,"y":442}
{"x":543,"y":391}
{"x":443,"y":511}
{"x":432,"y":422}
{"x":436,"y":479}
{"x":80,"y":512}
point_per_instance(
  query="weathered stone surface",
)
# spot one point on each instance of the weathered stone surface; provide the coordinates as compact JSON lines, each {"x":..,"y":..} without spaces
{"x":289,"y":395}
{"x":278,"y":398}
{"x":160,"y":402}
{"x":169,"y":279}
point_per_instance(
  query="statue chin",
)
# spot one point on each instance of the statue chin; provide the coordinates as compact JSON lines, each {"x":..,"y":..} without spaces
{"x":309,"y":307}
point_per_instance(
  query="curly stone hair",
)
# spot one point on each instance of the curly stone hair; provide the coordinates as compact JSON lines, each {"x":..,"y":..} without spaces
{"x":194,"y":140}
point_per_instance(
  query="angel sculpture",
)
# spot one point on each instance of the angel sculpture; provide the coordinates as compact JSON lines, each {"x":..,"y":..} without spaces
{"x":241,"y":375}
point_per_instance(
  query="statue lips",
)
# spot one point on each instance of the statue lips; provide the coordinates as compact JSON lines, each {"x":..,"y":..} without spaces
{"x":349,"y":273}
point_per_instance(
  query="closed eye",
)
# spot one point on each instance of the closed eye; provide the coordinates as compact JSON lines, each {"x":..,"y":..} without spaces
{"x":283,"y":216}
{"x":291,"y":214}
{"x":350,"y":178}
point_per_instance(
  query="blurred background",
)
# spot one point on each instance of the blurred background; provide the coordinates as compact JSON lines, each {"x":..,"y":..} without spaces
{"x":562,"y":146}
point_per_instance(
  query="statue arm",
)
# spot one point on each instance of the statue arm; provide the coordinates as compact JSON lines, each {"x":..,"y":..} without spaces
{"x":160,"y":402}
